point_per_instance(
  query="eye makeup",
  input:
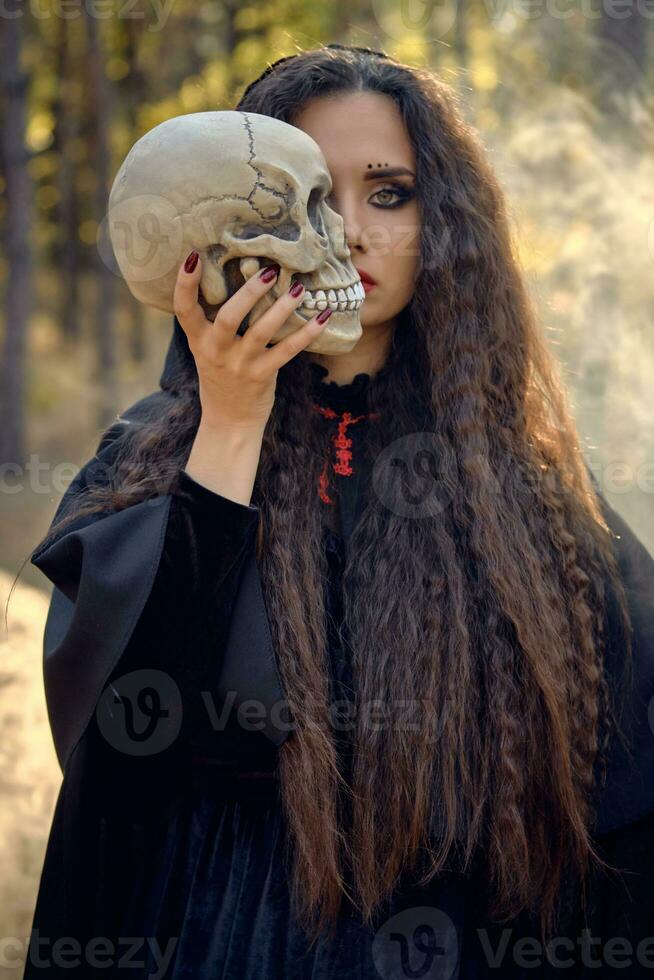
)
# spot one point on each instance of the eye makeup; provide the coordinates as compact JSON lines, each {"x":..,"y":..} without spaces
{"x":403,"y":194}
{"x":401,"y":189}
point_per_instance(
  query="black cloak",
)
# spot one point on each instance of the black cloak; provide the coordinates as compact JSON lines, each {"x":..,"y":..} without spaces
{"x":103,"y":568}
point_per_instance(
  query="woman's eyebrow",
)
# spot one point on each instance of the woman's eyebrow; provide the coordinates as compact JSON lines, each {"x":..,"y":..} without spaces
{"x":387,"y":172}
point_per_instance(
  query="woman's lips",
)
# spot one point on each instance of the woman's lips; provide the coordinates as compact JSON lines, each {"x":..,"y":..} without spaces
{"x":367,"y":281}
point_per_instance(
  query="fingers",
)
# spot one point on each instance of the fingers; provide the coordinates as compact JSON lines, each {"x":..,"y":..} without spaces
{"x":234,"y":310}
{"x":275,"y":357}
{"x":270,"y":322}
{"x":232,"y":313}
{"x":185,"y":297}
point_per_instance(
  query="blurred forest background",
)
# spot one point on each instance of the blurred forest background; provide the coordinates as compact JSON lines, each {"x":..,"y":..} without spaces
{"x":561,"y":93}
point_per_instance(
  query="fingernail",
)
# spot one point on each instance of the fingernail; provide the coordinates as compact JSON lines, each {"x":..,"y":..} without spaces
{"x":324,"y":315}
{"x":269,"y":272}
{"x":296,"y":289}
{"x":191,"y":261}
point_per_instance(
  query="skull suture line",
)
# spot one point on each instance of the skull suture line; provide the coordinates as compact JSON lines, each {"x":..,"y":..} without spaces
{"x":245,"y":190}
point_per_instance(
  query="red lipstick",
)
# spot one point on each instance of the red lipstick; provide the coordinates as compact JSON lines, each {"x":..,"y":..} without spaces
{"x":367,"y":280}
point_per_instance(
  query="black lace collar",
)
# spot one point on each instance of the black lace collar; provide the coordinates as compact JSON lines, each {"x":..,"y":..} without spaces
{"x":352,"y":397}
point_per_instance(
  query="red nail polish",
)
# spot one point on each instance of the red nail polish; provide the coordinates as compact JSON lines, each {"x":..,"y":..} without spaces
{"x":269,"y":272}
{"x":296,"y":289}
{"x":324,"y":315}
{"x":191,"y":261}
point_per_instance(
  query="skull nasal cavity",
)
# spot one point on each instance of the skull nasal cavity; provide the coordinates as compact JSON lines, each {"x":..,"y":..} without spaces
{"x":288,"y":231}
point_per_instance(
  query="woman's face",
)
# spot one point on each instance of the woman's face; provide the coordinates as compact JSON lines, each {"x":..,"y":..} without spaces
{"x":365,"y":144}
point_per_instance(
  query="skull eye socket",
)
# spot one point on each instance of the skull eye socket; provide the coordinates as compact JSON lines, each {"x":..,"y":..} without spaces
{"x":314,"y":210}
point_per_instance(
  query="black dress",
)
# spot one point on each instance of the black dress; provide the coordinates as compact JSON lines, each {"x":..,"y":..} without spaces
{"x":171,"y":864}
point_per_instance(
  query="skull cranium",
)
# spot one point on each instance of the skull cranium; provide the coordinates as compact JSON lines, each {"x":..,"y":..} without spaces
{"x":244,"y":190}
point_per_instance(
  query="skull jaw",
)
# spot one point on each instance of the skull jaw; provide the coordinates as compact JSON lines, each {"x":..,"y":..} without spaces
{"x":335,"y":338}
{"x":340,"y":335}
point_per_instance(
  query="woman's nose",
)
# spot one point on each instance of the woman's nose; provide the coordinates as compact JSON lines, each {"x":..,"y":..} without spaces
{"x":353,"y":230}
{"x":352,"y":225}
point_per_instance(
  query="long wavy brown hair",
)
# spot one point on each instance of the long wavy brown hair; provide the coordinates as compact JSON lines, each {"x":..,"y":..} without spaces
{"x":485,"y":605}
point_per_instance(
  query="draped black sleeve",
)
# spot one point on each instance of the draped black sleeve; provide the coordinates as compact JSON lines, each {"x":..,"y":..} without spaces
{"x":144,"y":593}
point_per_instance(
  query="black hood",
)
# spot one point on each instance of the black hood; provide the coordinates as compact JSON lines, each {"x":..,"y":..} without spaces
{"x":179,"y":359}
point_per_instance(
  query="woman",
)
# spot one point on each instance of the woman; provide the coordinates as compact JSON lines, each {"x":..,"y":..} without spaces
{"x":461,"y":768}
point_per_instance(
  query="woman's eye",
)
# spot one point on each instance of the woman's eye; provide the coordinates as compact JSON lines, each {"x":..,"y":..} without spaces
{"x":400,"y":193}
{"x":391,"y":197}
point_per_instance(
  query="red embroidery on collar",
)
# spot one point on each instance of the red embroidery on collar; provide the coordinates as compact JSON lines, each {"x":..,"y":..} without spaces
{"x":342,"y":444}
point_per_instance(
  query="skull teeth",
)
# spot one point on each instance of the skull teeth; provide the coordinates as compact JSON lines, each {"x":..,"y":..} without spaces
{"x":340,"y":299}
{"x":322,"y":304}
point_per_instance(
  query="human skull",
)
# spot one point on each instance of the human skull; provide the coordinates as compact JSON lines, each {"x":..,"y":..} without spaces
{"x":244,"y":190}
